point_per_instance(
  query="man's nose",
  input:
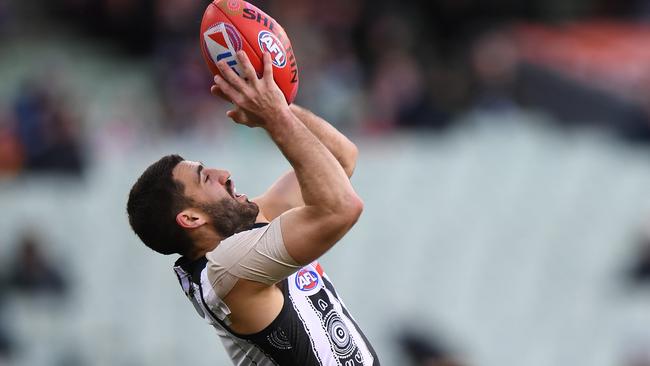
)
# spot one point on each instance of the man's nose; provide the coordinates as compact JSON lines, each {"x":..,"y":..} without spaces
{"x":222,"y":175}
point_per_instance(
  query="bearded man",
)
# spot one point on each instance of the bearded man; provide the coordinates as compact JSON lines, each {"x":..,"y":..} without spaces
{"x":250,"y":267}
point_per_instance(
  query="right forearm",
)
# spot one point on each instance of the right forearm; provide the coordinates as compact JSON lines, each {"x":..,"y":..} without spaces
{"x":322,"y":180}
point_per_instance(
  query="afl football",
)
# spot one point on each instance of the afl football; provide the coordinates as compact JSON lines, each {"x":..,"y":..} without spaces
{"x":229,"y":26}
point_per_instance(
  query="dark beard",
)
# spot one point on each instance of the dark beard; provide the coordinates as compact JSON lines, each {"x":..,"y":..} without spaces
{"x":230,"y":217}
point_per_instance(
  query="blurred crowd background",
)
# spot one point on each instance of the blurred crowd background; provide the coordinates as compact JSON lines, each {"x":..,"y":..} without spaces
{"x":504,"y":146}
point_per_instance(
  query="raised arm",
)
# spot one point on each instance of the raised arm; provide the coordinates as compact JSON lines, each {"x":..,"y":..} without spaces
{"x":285,"y":193}
{"x":331,"y":206}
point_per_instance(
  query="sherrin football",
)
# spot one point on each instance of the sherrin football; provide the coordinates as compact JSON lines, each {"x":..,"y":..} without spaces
{"x":232,"y":25}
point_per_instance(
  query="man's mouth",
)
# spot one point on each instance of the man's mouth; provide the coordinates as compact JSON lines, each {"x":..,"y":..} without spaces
{"x":232,"y":191}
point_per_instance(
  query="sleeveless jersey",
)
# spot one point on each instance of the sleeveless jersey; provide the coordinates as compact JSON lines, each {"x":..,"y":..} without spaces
{"x":313,"y":328}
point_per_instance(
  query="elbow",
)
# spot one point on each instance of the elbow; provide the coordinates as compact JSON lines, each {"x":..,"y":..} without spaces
{"x":357,"y":209}
{"x":352,"y":210}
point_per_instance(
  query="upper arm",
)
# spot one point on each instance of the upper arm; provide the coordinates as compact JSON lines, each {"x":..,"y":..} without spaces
{"x":282,"y":196}
{"x":308,"y":232}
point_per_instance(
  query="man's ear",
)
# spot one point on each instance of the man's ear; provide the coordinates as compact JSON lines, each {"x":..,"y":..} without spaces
{"x":190,"y":219}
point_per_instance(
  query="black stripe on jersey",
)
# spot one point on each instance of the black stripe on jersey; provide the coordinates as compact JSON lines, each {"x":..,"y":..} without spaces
{"x":330,"y":287}
{"x":342,"y":343}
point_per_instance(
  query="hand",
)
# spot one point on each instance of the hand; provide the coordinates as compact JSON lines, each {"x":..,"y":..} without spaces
{"x":257,"y":101}
{"x":239,"y":115}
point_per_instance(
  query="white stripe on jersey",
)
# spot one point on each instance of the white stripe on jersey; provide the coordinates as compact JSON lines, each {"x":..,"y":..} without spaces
{"x":317,"y":336}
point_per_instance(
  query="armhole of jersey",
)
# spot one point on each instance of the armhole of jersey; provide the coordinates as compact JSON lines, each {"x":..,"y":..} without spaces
{"x":227,"y":328}
{"x":262,"y":333}
{"x":207,"y":308}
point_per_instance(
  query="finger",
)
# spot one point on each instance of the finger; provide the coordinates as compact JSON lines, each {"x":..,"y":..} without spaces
{"x":231,"y":94}
{"x":230,"y":76}
{"x":238,"y":116}
{"x":268,"y":66}
{"x":249,"y":70}
{"x":214,"y":90}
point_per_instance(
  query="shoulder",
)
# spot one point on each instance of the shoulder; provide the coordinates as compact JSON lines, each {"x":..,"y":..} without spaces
{"x":236,"y":246}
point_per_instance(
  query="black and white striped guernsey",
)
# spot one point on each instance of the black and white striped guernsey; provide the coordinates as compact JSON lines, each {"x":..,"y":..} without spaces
{"x":313,"y":328}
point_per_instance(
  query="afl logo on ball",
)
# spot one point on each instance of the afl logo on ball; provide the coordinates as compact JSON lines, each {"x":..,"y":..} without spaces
{"x":222,"y":41}
{"x":306,"y":280}
{"x":270,"y":43}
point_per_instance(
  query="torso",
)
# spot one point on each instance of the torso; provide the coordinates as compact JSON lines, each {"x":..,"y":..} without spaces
{"x":311,"y":327}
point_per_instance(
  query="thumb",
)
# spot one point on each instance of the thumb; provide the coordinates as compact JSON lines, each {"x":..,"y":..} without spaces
{"x":238,"y":116}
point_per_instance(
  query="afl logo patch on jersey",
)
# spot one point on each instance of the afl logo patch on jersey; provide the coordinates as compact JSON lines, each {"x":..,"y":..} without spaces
{"x":306,"y":279}
{"x":268,"y":42}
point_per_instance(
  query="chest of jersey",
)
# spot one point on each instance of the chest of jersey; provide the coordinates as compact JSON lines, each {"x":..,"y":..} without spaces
{"x":313,"y":328}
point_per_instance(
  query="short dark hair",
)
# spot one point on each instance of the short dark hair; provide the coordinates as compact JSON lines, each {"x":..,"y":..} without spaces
{"x":154,"y":201}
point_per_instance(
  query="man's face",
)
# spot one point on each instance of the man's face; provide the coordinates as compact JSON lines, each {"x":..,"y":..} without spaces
{"x":214,"y":194}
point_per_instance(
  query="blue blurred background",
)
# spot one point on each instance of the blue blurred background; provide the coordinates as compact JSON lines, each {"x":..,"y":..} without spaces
{"x":504,"y":166}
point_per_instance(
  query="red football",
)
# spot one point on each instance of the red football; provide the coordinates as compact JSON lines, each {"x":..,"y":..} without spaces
{"x":232,"y":25}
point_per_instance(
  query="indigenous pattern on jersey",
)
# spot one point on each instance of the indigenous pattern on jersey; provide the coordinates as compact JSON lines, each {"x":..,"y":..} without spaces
{"x":313,"y":328}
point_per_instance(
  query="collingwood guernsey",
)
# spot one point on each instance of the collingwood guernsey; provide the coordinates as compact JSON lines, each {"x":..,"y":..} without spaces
{"x":313,"y":328}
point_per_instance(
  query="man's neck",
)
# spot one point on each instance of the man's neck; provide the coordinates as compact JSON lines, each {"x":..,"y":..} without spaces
{"x":204,"y":246}
{"x":208,"y":243}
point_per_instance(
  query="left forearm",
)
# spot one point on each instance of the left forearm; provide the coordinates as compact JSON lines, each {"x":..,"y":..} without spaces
{"x":344,"y":150}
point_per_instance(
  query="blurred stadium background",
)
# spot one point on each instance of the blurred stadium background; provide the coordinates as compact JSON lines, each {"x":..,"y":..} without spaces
{"x":504,"y":166}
